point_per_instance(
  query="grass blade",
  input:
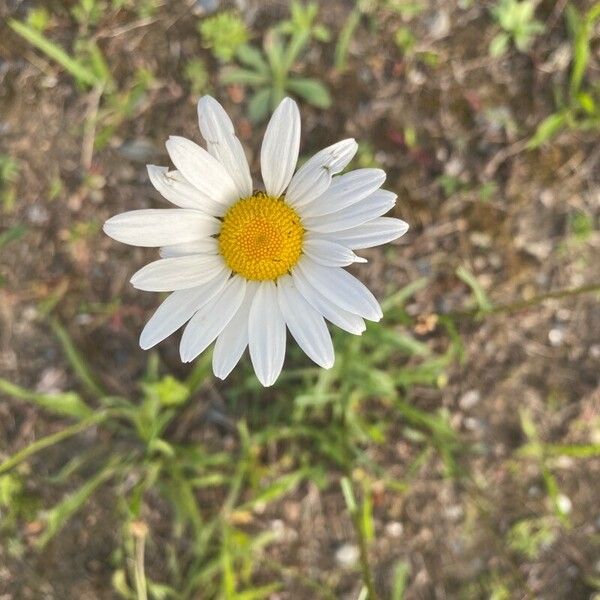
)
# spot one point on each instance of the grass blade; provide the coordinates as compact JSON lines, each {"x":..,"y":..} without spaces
{"x":76,"y":360}
{"x":81,"y":73}
{"x":64,"y":404}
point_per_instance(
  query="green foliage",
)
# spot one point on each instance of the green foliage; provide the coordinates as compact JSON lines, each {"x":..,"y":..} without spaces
{"x":38,"y":18}
{"x":579,"y":107}
{"x":343,"y":44}
{"x":320,"y":420}
{"x":269,"y":72}
{"x":483,"y":303}
{"x":518,"y":23}
{"x":82,"y":70}
{"x":196,"y":73}
{"x":9,"y":172}
{"x":405,"y":39}
{"x":223,"y":33}
{"x":581,"y":225}
{"x":88,"y":12}
{"x":530,"y":537}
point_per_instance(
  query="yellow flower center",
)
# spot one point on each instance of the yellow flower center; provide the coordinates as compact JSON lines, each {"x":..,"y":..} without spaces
{"x":261,"y":237}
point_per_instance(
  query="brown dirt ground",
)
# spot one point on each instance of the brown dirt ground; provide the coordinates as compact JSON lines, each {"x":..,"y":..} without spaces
{"x":469,"y":114}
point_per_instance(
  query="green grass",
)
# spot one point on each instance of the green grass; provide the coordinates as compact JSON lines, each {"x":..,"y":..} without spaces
{"x":318,"y":422}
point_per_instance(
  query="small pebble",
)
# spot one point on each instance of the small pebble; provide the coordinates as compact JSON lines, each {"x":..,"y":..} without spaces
{"x":469,"y":399}
{"x":564,"y":504}
{"x":394,"y":529}
{"x":347,"y":555}
{"x":556,"y":336}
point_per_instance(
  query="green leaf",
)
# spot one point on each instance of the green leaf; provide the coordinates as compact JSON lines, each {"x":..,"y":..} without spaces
{"x":243,"y":77}
{"x":314,"y":92}
{"x":50,"y":440}
{"x":57,"y":517}
{"x":400,"y":579}
{"x":64,"y":404}
{"x":78,"y":70}
{"x":252,"y":57}
{"x":478,"y":291}
{"x":587,"y":103}
{"x":76,"y":360}
{"x":258,"y":107}
{"x":343,"y":43}
{"x":169,"y":391}
{"x":348,"y":494}
{"x":547,"y":129}
{"x":12,"y":234}
{"x":499,"y":45}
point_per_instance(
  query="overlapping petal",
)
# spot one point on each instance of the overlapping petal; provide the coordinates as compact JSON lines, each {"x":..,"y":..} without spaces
{"x":314,"y":176}
{"x":345,"y":190}
{"x":217,"y":129}
{"x":211,"y":319}
{"x":178,"y":308}
{"x":202,"y":170}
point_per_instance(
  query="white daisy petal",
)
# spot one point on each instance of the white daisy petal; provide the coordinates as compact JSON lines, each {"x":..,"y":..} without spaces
{"x":211,"y":319}
{"x":306,"y":325}
{"x":341,"y":288}
{"x":217,"y":129}
{"x":153,"y":227}
{"x":314,"y":177}
{"x":369,"y":208}
{"x":173,"y":186}
{"x":207,"y":245}
{"x":345,"y":190}
{"x":179,"y":273}
{"x":177,"y":309}
{"x":202,"y":170}
{"x":345,"y":320}
{"x":266,"y":334}
{"x":374,"y":233}
{"x":232,"y":341}
{"x":280,"y":147}
{"x":328,"y":253}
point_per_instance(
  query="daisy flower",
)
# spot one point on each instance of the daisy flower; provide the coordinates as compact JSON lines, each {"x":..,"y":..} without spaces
{"x":242,"y":265}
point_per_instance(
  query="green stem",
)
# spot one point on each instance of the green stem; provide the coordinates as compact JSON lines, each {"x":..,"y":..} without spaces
{"x":365,"y":566}
{"x":50,"y":440}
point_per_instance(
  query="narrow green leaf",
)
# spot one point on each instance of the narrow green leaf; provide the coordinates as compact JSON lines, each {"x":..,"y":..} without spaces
{"x":57,"y":517}
{"x":81,"y":73}
{"x":258,"y":107}
{"x":12,"y":234}
{"x":252,"y":57}
{"x":243,"y":77}
{"x":477,"y":289}
{"x":76,"y":360}
{"x":348,"y":494}
{"x":344,"y":39}
{"x":547,"y":129}
{"x":64,"y":404}
{"x":50,"y":440}
{"x":313,"y":91}
{"x":400,"y":580}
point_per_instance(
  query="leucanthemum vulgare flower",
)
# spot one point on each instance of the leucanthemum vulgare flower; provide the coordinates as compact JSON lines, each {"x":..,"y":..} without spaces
{"x":242,"y":264}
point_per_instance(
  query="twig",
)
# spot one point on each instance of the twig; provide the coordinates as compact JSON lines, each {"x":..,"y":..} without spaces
{"x":524,"y":304}
{"x":506,"y":152}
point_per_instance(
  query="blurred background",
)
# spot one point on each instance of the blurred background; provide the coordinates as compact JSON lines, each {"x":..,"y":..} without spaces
{"x":454,"y":449}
